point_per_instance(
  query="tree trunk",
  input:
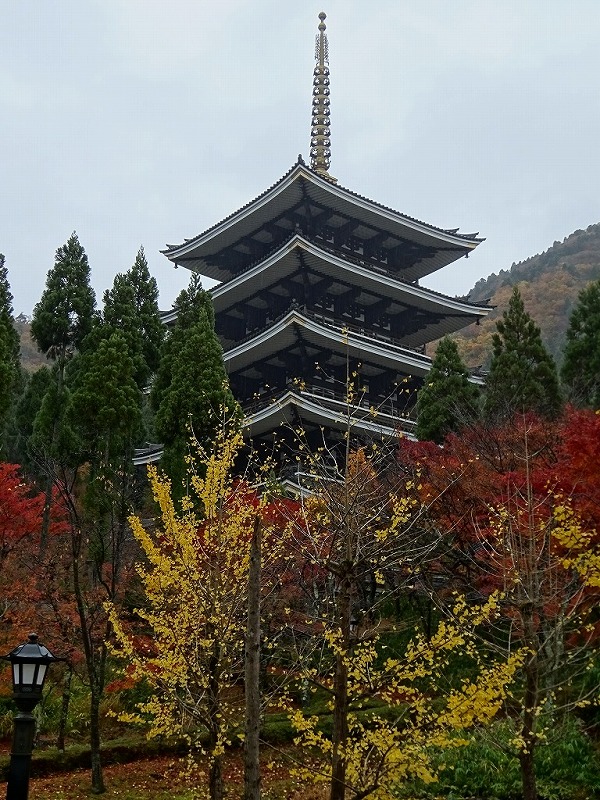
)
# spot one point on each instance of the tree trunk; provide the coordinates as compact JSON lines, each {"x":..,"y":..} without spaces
{"x":95,"y":666}
{"x":252,"y":671}
{"x":98,"y":786}
{"x":340,"y":697}
{"x":45,"y":527}
{"x":64,"y":709}
{"x":530,"y":704}
{"x":215,"y":777}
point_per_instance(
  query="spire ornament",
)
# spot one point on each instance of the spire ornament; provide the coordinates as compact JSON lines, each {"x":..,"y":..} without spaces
{"x":320,"y":153}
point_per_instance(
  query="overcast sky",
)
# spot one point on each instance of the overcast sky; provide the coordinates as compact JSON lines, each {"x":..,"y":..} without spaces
{"x":144,"y":122}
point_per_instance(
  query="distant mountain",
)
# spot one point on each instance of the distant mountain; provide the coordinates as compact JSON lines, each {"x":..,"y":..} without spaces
{"x":549,"y":284}
{"x":31,"y":358}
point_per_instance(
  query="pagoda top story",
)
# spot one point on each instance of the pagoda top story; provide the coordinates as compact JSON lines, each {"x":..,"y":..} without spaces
{"x":308,"y":201}
{"x":317,"y":283}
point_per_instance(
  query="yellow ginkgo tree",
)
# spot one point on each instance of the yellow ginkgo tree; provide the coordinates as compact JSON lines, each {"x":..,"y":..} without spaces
{"x":195,"y":581}
{"x":360,"y":542}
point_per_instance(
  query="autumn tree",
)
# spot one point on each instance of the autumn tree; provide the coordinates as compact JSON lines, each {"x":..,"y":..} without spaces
{"x":514,"y":514}
{"x":359,"y":531}
{"x":20,"y":509}
{"x":195,"y":582}
{"x":523,"y":375}
{"x":581,"y":366}
{"x":448,"y":400}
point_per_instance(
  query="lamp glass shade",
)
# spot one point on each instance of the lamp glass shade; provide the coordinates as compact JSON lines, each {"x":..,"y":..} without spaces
{"x":29,"y":666}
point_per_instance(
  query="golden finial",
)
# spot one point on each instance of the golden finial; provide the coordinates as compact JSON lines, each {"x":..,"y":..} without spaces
{"x":320,"y":153}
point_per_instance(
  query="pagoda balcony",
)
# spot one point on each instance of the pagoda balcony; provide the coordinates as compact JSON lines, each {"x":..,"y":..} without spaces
{"x":319,"y":406}
{"x":344,"y":338}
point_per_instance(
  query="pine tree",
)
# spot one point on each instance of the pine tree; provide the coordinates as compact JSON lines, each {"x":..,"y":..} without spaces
{"x":448,"y":400}
{"x":61,"y":320}
{"x":190,"y":390}
{"x":10,"y":365}
{"x":523,"y":375}
{"x":27,"y":408}
{"x":63,"y":317}
{"x":581,"y":365}
{"x":131,"y":309}
{"x":105,"y":404}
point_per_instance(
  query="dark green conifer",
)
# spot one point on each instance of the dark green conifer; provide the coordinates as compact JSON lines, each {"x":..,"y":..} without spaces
{"x":10,"y":355}
{"x":105,"y":404}
{"x":131,"y":309}
{"x":190,"y":392}
{"x":581,"y":365}
{"x":63,"y":317}
{"x":27,"y":408}
{"x":523,"y":376}
{"x":448,"y":400}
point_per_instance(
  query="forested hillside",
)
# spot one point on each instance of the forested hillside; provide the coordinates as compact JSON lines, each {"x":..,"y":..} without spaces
{"x":549,"y":284}
{"x":31,"y":358}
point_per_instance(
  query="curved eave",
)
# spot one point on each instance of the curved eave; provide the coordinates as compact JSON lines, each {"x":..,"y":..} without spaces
{"x":284,"y":262}
{"x":299,"y":182}
{"x":147,"y":455}
{"x":287,"y":408}
{"x":285,"y":333}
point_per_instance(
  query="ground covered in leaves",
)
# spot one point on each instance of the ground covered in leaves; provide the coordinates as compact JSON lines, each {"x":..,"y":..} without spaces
{"x":161,"y":779}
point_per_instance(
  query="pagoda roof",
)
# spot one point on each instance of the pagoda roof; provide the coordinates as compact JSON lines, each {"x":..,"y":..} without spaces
{"x":292,"y":404}
{"x":303,"y":185}
{"x":448,"y":314}
{"x":296,"y":326}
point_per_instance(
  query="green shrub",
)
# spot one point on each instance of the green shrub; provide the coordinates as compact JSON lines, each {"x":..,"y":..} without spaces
{"x":567,"y":768}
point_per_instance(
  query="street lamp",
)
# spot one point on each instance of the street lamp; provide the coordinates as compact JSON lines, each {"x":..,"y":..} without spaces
{"x":29,"y":663}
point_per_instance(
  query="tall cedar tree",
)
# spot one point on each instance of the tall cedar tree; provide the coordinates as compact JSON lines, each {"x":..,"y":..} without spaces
{"x":63,"y":317}
{"x":27,"y":408}
{"x":131,"y":308}
{"x":581,"y":366}
{"x":61,"y":320}
{"x":448,"y":400}
{"x":190,"y":392}
{"x":523,"y":375}
{"x":86,"y":438}
{"x":10,"y":366}
{"x":105,"y":411}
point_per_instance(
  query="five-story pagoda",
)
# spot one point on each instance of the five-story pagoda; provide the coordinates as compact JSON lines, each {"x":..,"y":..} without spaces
{"x":317,"y":283}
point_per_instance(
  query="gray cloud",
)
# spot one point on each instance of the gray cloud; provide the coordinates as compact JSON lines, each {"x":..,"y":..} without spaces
{"x":145,"y":122}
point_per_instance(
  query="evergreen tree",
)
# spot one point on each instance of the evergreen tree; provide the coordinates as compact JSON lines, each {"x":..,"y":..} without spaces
{"x":581,"y":365}
{"x":10,"y":354}
{"x":191,"y":387}
{"x":131,"y":308}
{"x":63,"y":317}
{"x":448,"y":400}
{"x":27,"y":408}
{"x":523,"y":375}
{"x":105,"y":405}
{"x":61,"y":320}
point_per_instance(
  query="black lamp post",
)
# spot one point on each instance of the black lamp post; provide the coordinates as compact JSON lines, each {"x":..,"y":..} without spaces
{"x":29,"y":663}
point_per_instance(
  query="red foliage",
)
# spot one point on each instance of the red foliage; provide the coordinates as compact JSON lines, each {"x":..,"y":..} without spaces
{"x":578,"y":463}
{"x":20,"y":508}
